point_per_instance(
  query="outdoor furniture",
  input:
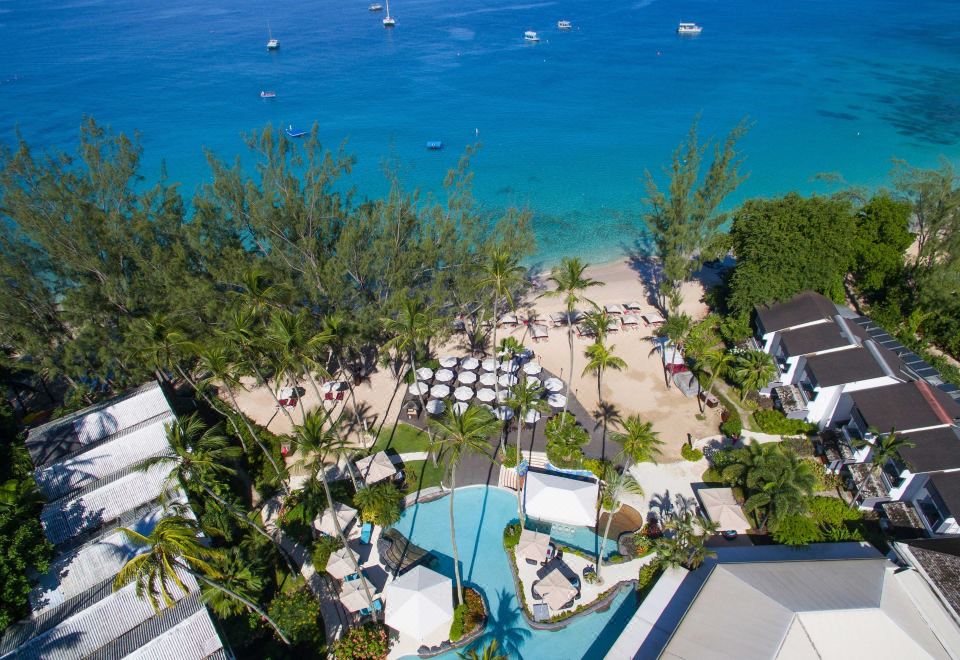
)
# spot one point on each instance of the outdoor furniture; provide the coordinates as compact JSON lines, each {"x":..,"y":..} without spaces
{"x":509,"y":319}
{"x":633,"y":306}
{"x":509,"y":366}
{"x":508,"y":380}
{"x":653,"y":318}
{"x":413,"y":409}
{"x":486,"y":395}
{"x":353,"y":596}
{"x":553,"y":385}
{"x":460,"y":407}
{"x":709,"y":399}
{"x":377,"y":605}
{"x":467,"y":377}
{"x":418,"y":388}
{"x":558,"y":319}
{"x":556,"y":400}
{"x":339,"y":564}
{"x":488,"y":379}
{"x":397,"y":553}
{"x":584,"y":331}
{"x":613,"y":308}
{"x":424,"y":373}
{"x":345,"y":516}
{"x":448,"y":361}
{"x":539,"y":332}
{"x":532,"y":368}
{"x":532,"y":417}
{"x":463,"y":393}
{"x":366,"y":533}
{"x":533,"y":381}
{"x":613,"y":325}
{"x":556,"y":589}
{"x":631,"y":320}
{"x":541,"y":612}
{"x":721,"y":507}
{"x":533,"y":546}
{"x":503,"y":413}
{"x":375,"y":468}
{"x":489,"y":364}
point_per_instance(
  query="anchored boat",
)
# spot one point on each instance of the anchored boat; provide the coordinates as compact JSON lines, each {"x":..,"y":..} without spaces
{"x":267,"y":95}
{"x":295,"y":132}
{"x":689,"y":28}
{"x":530,"y":35}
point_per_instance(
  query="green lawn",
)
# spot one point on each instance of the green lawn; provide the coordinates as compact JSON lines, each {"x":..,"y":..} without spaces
{"x":422,"y":474}
{"x":402,"y":439}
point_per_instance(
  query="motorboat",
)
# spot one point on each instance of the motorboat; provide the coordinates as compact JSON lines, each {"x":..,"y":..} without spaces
{"x":376,"y":7}
{"x":530,"y":35}
{"x":564,"y":25}
{"x":267,"y":94}
{"x":434,"y":145}
{"x":689,"y":28}
{"x":388,"y":20}
{"x":295,"y":132}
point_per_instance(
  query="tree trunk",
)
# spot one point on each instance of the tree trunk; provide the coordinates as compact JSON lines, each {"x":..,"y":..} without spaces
{"x":606,"y":533}
{"x":570,"y":374}
{"x":210,"y":403}
{"x":453,"y":534}
{"x":233,"y":594}
{"x":496,"y":366}
{"x":256,"y":438}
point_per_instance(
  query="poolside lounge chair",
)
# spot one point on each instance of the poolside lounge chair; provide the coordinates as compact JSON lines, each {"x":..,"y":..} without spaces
{"x":365,"y":533}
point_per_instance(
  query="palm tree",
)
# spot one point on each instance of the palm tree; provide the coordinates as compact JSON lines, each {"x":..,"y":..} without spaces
{"x":342,"y":336}
{"x":570,"y":283}
{"x":173,"y":547}
{"x":414,"y":327}
{"x":615,"y":486}
{"x":716,"y":360}
{"x":316,"y":440}
{"x":597,"y":321}
{"x":525,"y":397}
{"x":675,"y":329}
{"x":489,"y":652}
{"x":746,"y":459}
{"x":684,"y":541}
{"x":458,"y":435}
{"x":599,"y":359}
{"x":640,"y":442}
{"x":781,"y":484}
{"x":260,"y":294}
{"x":236,"y":574}
{"x":295,"y":346}
{"x":753,"y":370}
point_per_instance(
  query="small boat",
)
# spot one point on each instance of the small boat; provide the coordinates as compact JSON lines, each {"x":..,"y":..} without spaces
{"x":530,"y":35}
{"x":689,"y":28}
{"x":267,"y":94}
{"x":295,"y":132}
{"x":434,"y":145}
{"x":375,"y":7}
{"x":272,"y":44}
{"x":564,"y":25}
{"x":388,"y":20}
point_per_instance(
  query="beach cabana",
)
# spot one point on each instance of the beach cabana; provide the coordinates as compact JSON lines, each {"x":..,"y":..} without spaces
{"x":436,"y":406}
{"x":631,"y":320}
{"x":469,"y":363}
{"x":555,"y":589}
{"x":532,"y":368}
{"x":376,"y":468}
{"x":489,"y":364}
{"x":539,"y":332}
{"x":553,"y":384}
{"x":443,"y":376}
{"x":613,"y":308}
{"x":418,"y":388}
{"x":556,"y":400}
{"x":486,"y":395}
{"x":722,"y":508}
{"x":353,"y":596}
{"x":339,"y":564}
{"x":561,"y":499}
{"x":467,"y":377}
{"x":653,"y":318}
{"x":463,"y":393}
{"x":345,"y":514}
{"x":440,"y":391}
{"x":424,"y":373}
{"x":558,"y":318}
{"x":533,"y":546}
{"x":420,"y":605}
{"x":448,"y":361}
{"x":633,"y":306}
{"x":508,"y":319}
{"x":488,"y":379}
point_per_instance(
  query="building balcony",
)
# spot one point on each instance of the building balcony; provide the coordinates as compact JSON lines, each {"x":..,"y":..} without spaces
{"x":866,"y":485}
{"x":791,"y":400}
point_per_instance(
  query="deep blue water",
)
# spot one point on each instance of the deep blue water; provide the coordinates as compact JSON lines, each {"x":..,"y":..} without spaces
{"x":567,"y":125}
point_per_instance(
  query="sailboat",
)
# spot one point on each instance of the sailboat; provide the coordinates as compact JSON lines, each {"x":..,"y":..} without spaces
{"x":272,"y":44}
{"x":388,"y":21}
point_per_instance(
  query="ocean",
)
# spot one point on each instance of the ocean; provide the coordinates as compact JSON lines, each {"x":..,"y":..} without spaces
{"x":567,"y":125}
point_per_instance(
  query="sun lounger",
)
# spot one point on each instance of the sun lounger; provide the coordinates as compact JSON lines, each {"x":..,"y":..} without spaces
{"x":539,"y":332}
{"x":633,"y":306}
{"x":653,"y":318}
{"x":366,"y":532}
{"x":631,"y":320}
{"x":558,"y":319}
{"x":613,"y":309}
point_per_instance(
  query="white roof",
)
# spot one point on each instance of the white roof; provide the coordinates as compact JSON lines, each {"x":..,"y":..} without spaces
{"x":194,"y":637}
{"x":419,"y":603}
{"x":533,"y":545}
{"x":722,"y":508}
{"x":561,"y":499}
{"x":121,"y":415}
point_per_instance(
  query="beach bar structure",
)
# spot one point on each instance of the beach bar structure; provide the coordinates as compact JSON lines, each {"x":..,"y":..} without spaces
{"x":561,"y":498}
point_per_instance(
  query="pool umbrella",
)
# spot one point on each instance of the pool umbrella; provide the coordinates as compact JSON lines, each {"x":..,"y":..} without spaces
{"x":460,"y":407}
{"x":503,"y":395}
{"x":532,"y":417}
{"x":503,"y":413}
{"x":469,"y":363}
{"x":533,"y":381}
{"x":532,"y":368}
{"x":486,"y":394}
{"x":345,"y":515}
{"x":509,"y":365}
{"x":533,"y":545}
{"x":488,"y":379}
{"x":556,"y":401}
{"x":553,"y":384}
{"x":436,"y":406}
{"x":463,"y":393}
{"x":424,"y":373}
{"x":418,"y":388}
{"x":448,"y":361}
{"x":439,"y":391}
{"x":420,"y":605}
{"x":508,"y":380}
{"x":339,"y":564}
{"x":556,"y":589}
{"x":489,"y":364}
{"x":352,"y":594}
{"x":376,"y":468}
{"x":467,"y":377}
{"x":444,"y":376}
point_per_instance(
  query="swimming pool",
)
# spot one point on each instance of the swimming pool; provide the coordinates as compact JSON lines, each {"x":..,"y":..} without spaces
{"x":481,"y":514}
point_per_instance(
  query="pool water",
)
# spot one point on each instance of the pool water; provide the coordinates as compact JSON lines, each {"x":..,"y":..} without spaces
{"x":481,"y":514}
{"x":580,"y":538}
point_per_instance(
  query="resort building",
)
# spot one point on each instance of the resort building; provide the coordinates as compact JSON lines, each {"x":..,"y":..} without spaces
{"x":561,"y":498}
{"x":85,"y":469}
{"x":832,"y":600}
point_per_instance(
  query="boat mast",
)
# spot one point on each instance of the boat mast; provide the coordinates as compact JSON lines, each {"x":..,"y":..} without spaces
{"x":388,"y":8}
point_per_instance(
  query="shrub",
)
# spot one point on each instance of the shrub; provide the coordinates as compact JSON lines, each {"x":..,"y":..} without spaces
{"x":366,"y":642}
{"x":721,"y":458}
{"x":691,"y":454}
{"x":564,"y":439}
{"x":323,"y":548}
{"x":298,"y":615}
{"x":457,"y":625}
{"x":467,"y":615}
{"x":712,"y":476}
{"x":509,"y":457}
{"x":647,"y":578}
{"x":597,"y":465}
{"x":379,"y":504}
{"x":825,"y":480}
{"x":775,"y":423}
{"x":796,"y":530}
{"x":733,"y":426}
{"x":511,"y":535}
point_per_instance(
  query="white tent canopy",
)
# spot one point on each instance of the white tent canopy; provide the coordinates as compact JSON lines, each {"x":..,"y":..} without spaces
{"x":339,"y":564}
{"x":424,"y":373}
{"x":440,"y":391}
{"x":722,"y":508}
{"x":556,"y":589}
{"x":376,"y":468}
{"x":560,"y":499}
{"x":489,"y":364}
{"x":463,"y":393}
{"x":345,"y":515}
{"x":488,"y":379}
{"x":533,"y":545}
{"x":557,"y":400}
{"x":532,"y":368}
{"x":419,"y":604}
{"x":486,"y":394}
{"x":418,"y":388}
{"x":444,"y":376}
{"x":553,"y":384}
{"x":467,"y":377}
{"x":436,"y":406}
{"x":448,"y":361}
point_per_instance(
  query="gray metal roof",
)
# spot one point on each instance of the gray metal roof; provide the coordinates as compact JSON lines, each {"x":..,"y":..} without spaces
{"x":193,"y":637}
{"x":805,"y":307}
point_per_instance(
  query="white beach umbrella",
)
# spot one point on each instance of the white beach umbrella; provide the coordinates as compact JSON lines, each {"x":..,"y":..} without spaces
{"x":353,"y":596}
{"x":556,"y":589}
{"x":533,"y":545}
{"x":469,"y":363}
{"x":553,"y":384}
{"x":532,"y":417}
{"x":486,"y":394}
{"x":436,"y":406}
{"x":504,"y":413}
{"x":376,"y":468}
{"x":424,"y":373}
{"x":463,"y":393}
{"x":440,"y":391}
{"x":532,"y":368}
{"x":345,"y":515}
{"x":444,"y":376}
{"x":557,"y":400}
{"x":533,"y":381}
{"x":339,"y":564}
{"x":509,"y":365}
{"x":420,"y":605}
{"x":503,"y":395}
{"x":460,"y":407}
{"x":418,"y":388}
{"x":488,"y":379}
{"x":489,"y":364}
{"x":508,"y":380}
{"x":467,"y":377}
{"x":448,"y":361}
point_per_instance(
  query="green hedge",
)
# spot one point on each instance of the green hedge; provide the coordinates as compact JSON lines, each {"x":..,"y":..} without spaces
{"x":775,"y":423}
{"x":511,"y":535}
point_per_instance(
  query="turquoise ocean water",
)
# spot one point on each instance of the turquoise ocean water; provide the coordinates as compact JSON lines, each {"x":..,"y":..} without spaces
{"x":567,"y":125}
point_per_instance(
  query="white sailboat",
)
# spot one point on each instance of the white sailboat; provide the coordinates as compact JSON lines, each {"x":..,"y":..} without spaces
{"x":388,"y":20}
{"x":272,"y":44}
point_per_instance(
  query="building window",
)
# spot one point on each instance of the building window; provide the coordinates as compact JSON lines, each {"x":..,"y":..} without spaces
{"x":892,"y":471}
{"x":928,"y":508}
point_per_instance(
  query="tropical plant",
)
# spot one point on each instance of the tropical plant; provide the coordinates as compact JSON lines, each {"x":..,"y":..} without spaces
{"x":459,"y":434}
{"x":298,"y":613}
{"x":683,"y":542}
{"x":640,"y":443}
{"x":323,"y":547}
{"x":237,"y":574}
{"x":615,"y":486}
{"x":780,"y":484}
{"x":753,"y":370}
{"x":690,"y":453}
{"x":295,"y":347}
{"x":367,"y":642}
{"x":796,"y":530}
{"x":600,"y":358}
{"x":565,"y":438}
{"x":379,"y":504}
{"x":490,"y":651}
{"x":525,"y":397}
{"x":570,"y":283}
{"x":171,"y":550}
